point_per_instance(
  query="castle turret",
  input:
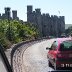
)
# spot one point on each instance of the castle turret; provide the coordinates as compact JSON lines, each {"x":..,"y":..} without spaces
{"x":14,"y":14}
{"x":7,"y":13}
{"x":38,"y":20}
{"x":29,"y":13}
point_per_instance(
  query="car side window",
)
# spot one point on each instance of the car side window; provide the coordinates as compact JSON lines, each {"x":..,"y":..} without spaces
{"x":54,"y":45}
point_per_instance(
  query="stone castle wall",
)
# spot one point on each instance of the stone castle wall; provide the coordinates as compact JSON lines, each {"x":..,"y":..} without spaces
{"x":48,"y":25}
{"x":7,"y":14}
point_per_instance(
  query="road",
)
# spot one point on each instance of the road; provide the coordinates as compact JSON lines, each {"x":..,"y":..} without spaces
{"x":31,"y":57}
{"x":2,"y":66}
{"x":35,"y":57}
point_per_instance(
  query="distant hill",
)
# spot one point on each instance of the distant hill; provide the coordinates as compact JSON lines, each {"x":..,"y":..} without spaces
{"x":67,"y":25}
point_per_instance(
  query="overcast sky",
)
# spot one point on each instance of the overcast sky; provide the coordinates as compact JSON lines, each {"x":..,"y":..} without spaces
{"x":53,"y":7}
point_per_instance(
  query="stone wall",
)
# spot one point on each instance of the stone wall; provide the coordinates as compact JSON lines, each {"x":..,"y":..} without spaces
{"x":47,"y":25}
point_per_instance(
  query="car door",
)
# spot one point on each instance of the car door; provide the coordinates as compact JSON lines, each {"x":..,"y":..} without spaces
{"x":53,"y":51}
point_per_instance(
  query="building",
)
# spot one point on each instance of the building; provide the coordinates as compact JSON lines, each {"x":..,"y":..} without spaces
{"x":29,"y":14}
{"x":34,"y":17}
{"x":7,"y":14}
{"x":14,"y":15}
{"x":47,"y":25}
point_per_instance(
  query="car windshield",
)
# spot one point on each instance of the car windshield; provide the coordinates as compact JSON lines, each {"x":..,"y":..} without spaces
{"x":66,"y":46}
{"x":30,"y":29}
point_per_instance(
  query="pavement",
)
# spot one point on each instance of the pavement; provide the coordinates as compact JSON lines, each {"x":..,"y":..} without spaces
{"x":2,"y":66}
{"x":32,"y":57}
{"x":35,"y":57}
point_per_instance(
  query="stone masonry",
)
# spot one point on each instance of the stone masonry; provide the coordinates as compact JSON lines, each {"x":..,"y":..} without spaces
{"x":47,"y":25}
{"x":7,"y":14}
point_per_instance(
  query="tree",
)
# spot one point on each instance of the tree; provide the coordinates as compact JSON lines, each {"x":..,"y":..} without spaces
{"x":16,"y":32}
{"x":68,"y":31}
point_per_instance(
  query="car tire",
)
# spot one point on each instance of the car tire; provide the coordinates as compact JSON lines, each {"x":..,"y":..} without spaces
{"x":49,"y":63}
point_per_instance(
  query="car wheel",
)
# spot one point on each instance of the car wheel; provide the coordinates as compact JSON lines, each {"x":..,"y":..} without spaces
{"x":49,"y":63}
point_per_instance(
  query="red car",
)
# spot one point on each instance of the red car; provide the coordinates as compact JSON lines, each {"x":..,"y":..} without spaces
{"x":60,"y":53}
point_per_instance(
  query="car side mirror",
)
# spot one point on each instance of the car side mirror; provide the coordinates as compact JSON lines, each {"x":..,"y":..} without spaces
{"x":47,"y":48}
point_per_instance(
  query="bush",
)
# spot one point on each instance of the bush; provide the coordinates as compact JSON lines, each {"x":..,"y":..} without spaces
{"x":15,"y":31}
{"x":5,"y":43}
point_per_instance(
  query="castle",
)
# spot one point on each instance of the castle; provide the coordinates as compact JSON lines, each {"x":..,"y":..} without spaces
{"x":47,"y":25}
{"x":7,"y":14}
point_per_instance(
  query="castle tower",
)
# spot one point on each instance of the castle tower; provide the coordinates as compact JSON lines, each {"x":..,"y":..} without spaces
{"x":38,"y":11}
{"x":39,"y":20}
{"x":7,"y":12}
{"x":62,"y":24}
{"x":14,"y":14}
{"x":55,"y":25}
{"x":43,"y":16}
{"x":29,"y":13}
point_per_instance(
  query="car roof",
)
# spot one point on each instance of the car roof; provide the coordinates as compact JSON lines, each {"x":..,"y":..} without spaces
{"x":60,"y":40}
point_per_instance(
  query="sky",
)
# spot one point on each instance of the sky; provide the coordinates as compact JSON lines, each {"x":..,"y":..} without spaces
{"x":53,"y":7}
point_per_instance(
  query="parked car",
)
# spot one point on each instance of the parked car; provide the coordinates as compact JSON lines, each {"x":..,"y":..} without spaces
{"x":50,"y":37}
{"x":63,"y":36}
{"x":60,"y":53}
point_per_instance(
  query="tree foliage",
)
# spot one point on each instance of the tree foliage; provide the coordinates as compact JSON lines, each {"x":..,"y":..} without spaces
{"x":69,"y":31}
{"x":14,"y":31}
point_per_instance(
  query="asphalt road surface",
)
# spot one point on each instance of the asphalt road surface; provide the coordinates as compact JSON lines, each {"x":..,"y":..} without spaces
{"x":35,"y":57}
{"x":31,"y":58}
